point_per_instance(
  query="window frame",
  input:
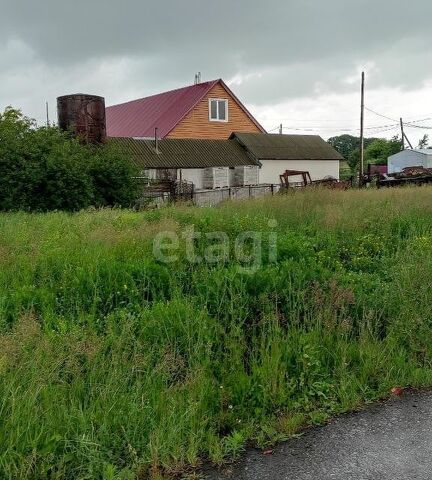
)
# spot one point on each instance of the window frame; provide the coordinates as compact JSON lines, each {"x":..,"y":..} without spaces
{"x":217,"y":100}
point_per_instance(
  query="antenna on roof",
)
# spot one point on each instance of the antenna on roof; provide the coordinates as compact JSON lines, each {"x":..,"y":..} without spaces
{"x":197,"y":78}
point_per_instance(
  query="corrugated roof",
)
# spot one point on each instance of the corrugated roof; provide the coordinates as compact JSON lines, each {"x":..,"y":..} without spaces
{"x":184,"y":153}
{"x":266,"y":146}
{"x":164,"y":111}
{"x":139,"y":118}
{"x":422,"y":151}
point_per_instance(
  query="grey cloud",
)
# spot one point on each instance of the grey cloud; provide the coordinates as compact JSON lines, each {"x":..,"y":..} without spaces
{"x":284,"y":48}
{"x":281,"y":30}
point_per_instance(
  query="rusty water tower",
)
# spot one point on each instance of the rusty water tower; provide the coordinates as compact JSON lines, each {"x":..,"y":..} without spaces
{"x":84,"y":116}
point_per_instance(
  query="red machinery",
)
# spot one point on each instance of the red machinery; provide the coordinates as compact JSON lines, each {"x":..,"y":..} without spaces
{"x":284,"y":178}
{"x":329,"y":182}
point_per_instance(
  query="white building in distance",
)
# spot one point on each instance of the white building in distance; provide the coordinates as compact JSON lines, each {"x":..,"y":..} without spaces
{"x":277,"y":153}
{"x":409,"y":158}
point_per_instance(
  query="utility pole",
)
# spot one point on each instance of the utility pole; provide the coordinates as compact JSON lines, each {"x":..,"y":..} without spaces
{"x":280,"y":129}
{"x":404,"y":137}
{"x":402,"y":134}
{"x":47,"y":115}
{"x":362,"y":131}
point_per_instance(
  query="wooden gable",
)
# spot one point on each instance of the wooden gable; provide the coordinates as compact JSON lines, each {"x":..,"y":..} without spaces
{"x":197,"y":124}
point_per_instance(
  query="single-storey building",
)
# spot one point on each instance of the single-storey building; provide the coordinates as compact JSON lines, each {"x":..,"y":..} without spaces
{"x":207,"y":164}
{"x":211,"y":111}
{"x":409,"y":158}
{"x":244,"y":159}
{"x":277,"y":153}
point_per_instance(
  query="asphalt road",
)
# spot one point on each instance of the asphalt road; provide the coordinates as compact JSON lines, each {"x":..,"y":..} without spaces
{"x":387,"y":441}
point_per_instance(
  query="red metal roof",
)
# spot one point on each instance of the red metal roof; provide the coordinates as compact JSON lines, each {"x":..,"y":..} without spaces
{"x":139,"y":118}
{"x":164,"y":111}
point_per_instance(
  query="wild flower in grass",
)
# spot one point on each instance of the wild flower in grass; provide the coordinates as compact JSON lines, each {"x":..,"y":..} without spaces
{"x":423,"y":241}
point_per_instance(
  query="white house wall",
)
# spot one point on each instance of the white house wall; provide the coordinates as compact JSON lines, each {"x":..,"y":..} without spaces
{"x":318,"y":169}
{"x":148,"y":173}
{"x":194,"y":175}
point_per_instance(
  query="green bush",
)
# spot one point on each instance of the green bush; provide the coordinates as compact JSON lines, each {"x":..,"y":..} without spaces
{"x":44,"y":169}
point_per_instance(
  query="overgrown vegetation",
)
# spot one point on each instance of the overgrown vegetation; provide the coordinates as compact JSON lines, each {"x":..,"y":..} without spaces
{"x":44,"y":169}
{"x":116,"y":366}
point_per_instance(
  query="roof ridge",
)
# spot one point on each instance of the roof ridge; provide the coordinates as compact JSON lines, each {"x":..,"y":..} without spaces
{"x":242,"y":106}
{"x":140,"y":117}
{"x":209,"y":86}
{"x":165,"y":93}
{"x":237,"y":132}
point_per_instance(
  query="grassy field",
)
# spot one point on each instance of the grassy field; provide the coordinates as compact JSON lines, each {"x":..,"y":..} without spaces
{"x":116,"y":365}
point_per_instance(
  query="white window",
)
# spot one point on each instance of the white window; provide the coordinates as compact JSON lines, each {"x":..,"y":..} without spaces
{"x":218,"y":110}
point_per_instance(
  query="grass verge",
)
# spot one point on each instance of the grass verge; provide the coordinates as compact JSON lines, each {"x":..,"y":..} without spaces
{"x":115,"y":365}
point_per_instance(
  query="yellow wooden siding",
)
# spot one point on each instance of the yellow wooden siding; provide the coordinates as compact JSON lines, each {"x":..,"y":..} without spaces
{"x":196,"y":124}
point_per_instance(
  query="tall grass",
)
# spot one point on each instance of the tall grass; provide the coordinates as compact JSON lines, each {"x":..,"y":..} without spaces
{"x":114,"y":365}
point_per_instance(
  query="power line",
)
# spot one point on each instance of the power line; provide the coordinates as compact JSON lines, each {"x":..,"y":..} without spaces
{"x":372,"y":130}
{"x":421,"y":127}
{"x":407,"y":124}
{"x":313,"y":128}
{"x":422,"y":120}
{"x":376,"y":128}
{"x":273,"y":129}
{"x":380,"y":114}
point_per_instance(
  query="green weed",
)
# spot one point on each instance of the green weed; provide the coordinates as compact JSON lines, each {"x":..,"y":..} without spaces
{"x":114,"y":365}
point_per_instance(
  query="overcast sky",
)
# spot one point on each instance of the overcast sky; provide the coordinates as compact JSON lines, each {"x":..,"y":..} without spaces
{"x":295,"y":62}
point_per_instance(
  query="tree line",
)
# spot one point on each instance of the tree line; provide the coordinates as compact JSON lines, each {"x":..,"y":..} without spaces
{"x":45,"y":169}
{"x":377,"y":150}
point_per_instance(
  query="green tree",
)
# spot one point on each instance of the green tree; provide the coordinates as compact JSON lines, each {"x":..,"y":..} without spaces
{"x":345,"y":144}
{"x":423,"y":142}
{"x":46,"y":169}
{"x":380,"y":149}
{"x":354,"y":160}
{"x":349,"y":147}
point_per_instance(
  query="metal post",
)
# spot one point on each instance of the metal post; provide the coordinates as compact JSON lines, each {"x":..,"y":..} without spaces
{"x":402,"y":135}
{"x":47,"y":115}
{"x":156,"y":141}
